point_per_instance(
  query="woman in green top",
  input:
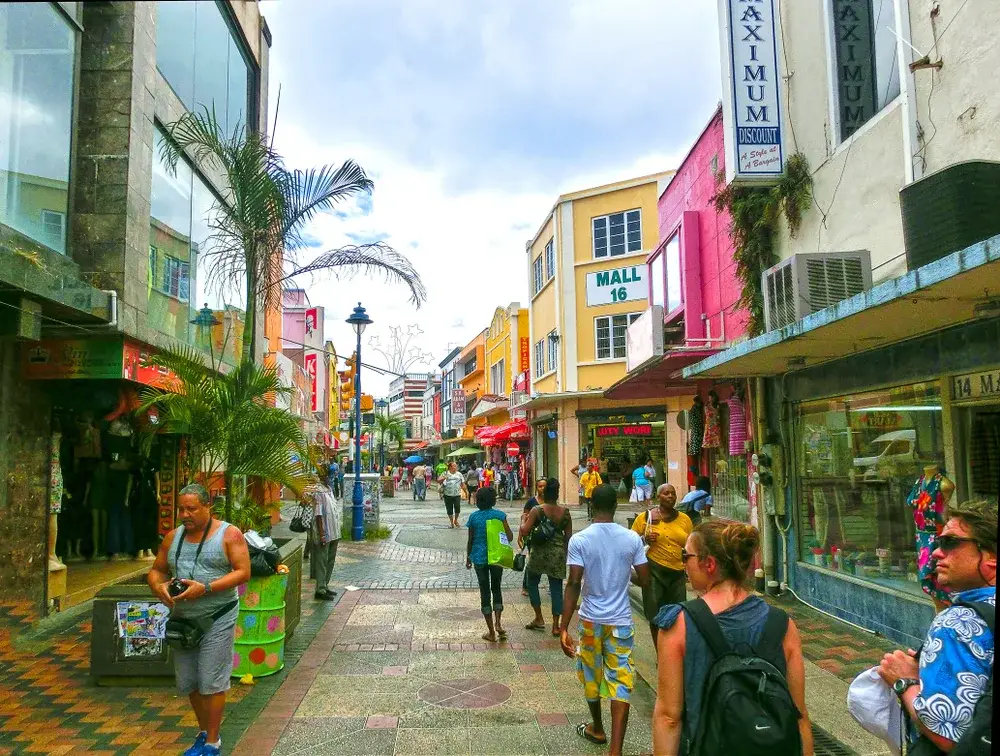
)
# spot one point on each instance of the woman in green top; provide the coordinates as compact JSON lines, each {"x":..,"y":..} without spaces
{"x":548,"y":529}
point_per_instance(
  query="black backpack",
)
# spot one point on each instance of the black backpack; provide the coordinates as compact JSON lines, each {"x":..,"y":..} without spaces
{"x":746,"y":707}
{"x":977,"y":740}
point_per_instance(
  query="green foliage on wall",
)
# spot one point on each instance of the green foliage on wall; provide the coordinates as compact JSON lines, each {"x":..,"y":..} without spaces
{"x":754,"y":212}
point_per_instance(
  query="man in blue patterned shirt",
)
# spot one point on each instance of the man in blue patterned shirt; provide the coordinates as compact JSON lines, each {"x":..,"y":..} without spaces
{"x":939,"y":693}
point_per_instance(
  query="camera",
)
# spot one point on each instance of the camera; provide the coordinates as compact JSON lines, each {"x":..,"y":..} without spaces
{"x":176,"y":587}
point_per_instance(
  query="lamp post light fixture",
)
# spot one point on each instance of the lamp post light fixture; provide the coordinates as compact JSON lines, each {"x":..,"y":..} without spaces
{"x":204,"y":322}
{"x":381,"y":404}
{"x":359,"y":320}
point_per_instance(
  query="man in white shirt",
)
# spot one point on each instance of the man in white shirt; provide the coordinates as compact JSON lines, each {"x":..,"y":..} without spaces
{"x":327,"y":518}
{"x":606,"y":553}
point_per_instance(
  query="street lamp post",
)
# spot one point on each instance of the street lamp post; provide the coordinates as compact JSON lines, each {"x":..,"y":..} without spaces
{"x":358,"y":320}
{"x":381,"y":404}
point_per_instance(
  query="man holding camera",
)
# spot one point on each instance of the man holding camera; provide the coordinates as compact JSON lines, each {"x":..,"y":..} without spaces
{"x":196,"y":573}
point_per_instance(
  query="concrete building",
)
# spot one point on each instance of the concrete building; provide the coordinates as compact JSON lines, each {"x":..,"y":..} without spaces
{"x":406,"y":400}
{"x":303,"y":339}
{"x":879,"y":367}
{"x":471,"y":377}
{"x":102,"y":249}
{"x":449,"y":382}
{"x":586,"y":269}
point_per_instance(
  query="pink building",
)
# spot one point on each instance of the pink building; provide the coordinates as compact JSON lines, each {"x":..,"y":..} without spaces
{"x":303,"y":343}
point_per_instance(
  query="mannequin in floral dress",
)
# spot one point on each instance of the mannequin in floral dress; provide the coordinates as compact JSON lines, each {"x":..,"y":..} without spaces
{"x":929,"y":497}
{"x":713,"y":431}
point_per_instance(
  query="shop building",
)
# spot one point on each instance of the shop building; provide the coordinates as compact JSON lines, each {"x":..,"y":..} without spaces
{"x":470,"y":374}
{"x":102,"y":260}
{"x":693,"y":312}
{"x":587,"y":272}
{"x":406,"y":401}
{"x":303,"y":341}
{"x":876,"y":386}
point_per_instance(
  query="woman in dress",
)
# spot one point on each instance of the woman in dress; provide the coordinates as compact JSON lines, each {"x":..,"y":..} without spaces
{"x":548,"y":528}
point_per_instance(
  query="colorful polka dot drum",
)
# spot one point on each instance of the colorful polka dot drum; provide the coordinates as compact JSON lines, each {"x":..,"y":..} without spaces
{"x":260,"y":627}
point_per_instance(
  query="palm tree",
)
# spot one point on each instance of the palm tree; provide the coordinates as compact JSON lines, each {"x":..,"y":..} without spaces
{"x":258,"y":236}
{"x":388,"y":430}
{"x":229,"y":425}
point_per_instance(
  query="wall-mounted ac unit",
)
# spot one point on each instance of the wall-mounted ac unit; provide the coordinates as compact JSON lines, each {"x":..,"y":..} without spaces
{"x":809,"y":282}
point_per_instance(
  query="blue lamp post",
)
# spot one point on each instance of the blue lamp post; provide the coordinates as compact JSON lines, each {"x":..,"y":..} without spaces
{"x":358,"y":320}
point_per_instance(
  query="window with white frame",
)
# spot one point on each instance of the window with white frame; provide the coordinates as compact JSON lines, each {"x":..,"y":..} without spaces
{"x":553,"y":342}
{"x":170,"y":275}
{"x":617,"y":234}
{"x":866,"y":63}
{"x":539,"y":358}
{"x":536,"y":275}
{"x":497,"y":378}
{"x":550,"y":260}
{"x":609,"y":334}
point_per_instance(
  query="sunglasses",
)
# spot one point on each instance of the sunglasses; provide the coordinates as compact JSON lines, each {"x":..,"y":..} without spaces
{"x":950,"y":542}
{"x":685,"y":555}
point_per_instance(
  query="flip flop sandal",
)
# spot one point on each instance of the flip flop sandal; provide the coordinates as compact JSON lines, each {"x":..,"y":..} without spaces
{"x":502,"y":635}
{"x":488,"y":638}
{"x":533,"y":626}
{"x":581,"y":730}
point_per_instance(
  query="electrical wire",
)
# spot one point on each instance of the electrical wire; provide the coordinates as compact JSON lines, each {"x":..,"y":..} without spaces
{"x":828,"y":614}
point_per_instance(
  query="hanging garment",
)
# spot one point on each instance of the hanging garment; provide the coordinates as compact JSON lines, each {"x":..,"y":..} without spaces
{"x":55,"y":475}
{"x":696,"y":428}
{"x":713,"y":432}
{"x":737,"y":427}
{"x":927,"y":501}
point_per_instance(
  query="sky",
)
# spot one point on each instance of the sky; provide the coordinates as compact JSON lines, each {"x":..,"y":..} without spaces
{"x":471,"y":118}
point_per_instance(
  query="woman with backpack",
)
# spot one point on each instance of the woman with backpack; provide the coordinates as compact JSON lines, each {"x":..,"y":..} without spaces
{"x":731,"y":672}
{"x":547,"y":529}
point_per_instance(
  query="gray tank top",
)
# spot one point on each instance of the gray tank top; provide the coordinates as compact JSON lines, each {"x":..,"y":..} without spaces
{"x":212,"y":565}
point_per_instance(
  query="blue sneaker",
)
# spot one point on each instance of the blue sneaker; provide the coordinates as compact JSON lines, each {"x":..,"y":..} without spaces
{"x":199,"y":745}
{"x":211,"y":750}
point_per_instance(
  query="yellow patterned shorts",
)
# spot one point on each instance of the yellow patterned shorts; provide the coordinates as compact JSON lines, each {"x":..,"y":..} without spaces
{"x":604,"y":661}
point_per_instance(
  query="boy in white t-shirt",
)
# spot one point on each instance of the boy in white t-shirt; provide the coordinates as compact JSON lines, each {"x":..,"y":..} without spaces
{"x":605,"y":553}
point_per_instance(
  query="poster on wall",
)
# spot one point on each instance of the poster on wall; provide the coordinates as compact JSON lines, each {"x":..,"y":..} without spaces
{"x":312,"y":320}
{"x":617,"y":285}
{"x":751,"y":102}
{"x":311,"y":364}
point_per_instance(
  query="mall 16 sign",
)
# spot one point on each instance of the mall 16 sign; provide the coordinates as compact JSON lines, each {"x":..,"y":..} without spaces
{"x":617,"y":285}
{"x":752,"y":91}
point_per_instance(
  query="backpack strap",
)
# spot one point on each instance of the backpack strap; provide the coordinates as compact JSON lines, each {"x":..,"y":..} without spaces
{"x":708,"y":626}
{"x":986,"y":612}
{"x":772,"y":637}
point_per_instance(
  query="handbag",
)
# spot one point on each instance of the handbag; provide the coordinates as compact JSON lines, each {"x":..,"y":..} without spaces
{"x":543,"y":532}
{"x":520,"y":561}
{"x":186,"y":633}
{"x":301,"y":519}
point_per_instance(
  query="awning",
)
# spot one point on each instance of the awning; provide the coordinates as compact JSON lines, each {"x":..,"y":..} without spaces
{"x":958,"y":288}
{"x":547,"y":400}
{"x":488,"y":404}
{"x":660,"y":377}
{"x":516,"y":430}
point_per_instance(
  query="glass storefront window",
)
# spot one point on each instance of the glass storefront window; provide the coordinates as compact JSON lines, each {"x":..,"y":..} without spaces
{"x":198,"y":55}
{"x":621,"y":444}
{"x":37,"y":52}
{"x":857,"y":459}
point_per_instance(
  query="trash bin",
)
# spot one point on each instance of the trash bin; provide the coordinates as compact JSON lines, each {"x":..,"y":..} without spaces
{"x":260,"y":627}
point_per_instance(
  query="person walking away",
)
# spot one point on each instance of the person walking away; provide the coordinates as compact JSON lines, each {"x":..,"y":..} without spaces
{"x":650,"y":470}
{"x":488,"y":575}
{"x":419,"y":484}
{"x":944,"y":689}
{"x":603,"y":558}
{"x":472,"y":480}
{"x":698,"y":503}
{"x":588,"y":482}
{"x":534,"y":501}
{"x":665,"y":531}
{"x":210,"y":559}
{"x":548,"y":528}
{"x":640,"y":485}
{"x":453,"y":486}
{"x":717,"y":557}
{"x":340,"y":474}
{"x":327,"y":521}
{"x":333,"y":478}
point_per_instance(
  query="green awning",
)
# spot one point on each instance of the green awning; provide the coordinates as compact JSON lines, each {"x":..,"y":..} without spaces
{"x":465,"y":451}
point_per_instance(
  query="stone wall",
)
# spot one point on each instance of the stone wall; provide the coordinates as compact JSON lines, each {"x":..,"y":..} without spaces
{"x":24,"y":465}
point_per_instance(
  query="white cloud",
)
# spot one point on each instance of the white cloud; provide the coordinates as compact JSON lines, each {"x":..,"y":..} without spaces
{"x":472,"y":118}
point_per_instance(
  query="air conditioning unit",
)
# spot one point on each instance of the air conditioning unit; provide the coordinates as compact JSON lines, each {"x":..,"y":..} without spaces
{"x":810,"y":282}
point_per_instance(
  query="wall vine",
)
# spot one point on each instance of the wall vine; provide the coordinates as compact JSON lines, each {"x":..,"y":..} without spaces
{"x":754,"y":213}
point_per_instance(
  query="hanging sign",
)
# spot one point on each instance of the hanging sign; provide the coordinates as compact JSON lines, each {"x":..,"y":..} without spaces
{"x":312,"y":320}
{"x":752,"y":87}
{"x":524,"y":354}
{"x":311,"y":370}
{"x":617,"y":285}
{"x":457,"y":409}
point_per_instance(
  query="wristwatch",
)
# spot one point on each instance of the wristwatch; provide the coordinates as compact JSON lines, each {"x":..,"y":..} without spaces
{"x":903,"y":684}
{"x":208,"y":588}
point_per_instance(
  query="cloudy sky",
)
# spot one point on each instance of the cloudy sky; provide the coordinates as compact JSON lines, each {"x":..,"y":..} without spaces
{"x":471,"y":117}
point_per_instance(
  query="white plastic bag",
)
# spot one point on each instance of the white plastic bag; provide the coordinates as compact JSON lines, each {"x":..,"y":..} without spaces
{"x":875,"y":707}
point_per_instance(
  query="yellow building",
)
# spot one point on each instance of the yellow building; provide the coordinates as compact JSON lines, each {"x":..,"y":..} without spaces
{"x":506,"y":355}
{"x":587,"y":279}
{"x":472,"y":380}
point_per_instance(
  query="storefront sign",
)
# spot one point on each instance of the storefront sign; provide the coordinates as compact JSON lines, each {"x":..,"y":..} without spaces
{"x":312,"y":320}
{"x":72,"y":358}
{"x":524,"y":354}
{"x":167,"y":484}
{"x":752,"y":85}
{"x":976,"y":386}
{"x":617,"y":285}
{"x":135,"y":368}
{"x":310,"y":363}
{"x":884,"y":420}
{"x":625,"y":430}
{"x":644,"y":338}
{"x":457,"y":409}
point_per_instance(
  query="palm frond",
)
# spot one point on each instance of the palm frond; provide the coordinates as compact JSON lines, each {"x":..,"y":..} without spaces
{"x":309,"y":192}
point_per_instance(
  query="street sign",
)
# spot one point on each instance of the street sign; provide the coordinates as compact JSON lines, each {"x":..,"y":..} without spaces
{"x":513,"y":449}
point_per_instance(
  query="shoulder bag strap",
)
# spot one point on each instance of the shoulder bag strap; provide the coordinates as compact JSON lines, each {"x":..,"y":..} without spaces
{"x":180,"y":545}
{"x":708,"y":626}
{"x":772,"y":637}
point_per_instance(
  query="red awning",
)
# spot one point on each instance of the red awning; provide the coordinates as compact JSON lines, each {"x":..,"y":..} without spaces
{"x":660,"y":378}
{"x":485,"y":433}
{"x":515,"y":430}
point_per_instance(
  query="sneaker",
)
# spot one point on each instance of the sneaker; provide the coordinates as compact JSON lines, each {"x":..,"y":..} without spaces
{"x":199,"y":745}
{"x":211,"y":750}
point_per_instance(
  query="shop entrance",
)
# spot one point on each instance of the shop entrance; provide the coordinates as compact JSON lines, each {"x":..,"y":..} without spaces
{"x":622,"y":446}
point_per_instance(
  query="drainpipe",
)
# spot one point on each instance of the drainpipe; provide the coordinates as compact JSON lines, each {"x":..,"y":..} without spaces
{"x":766,"y":528}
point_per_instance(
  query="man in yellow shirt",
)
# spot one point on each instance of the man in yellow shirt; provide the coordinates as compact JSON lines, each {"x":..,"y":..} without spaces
{"x":665,"y":530}
{"x":588,"y":482}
